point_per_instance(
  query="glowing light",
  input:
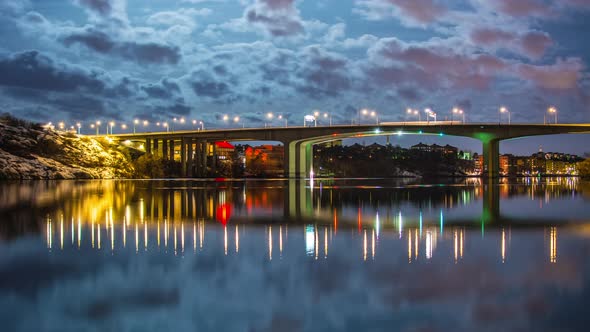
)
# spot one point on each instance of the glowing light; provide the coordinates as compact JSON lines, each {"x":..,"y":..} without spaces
{"x":225,"y":240}
{"x":441,"y":134}
{"x":503,"y":246}
{"x":377,"y":224}
{"x":399,"y":133}
{"x":365,"y":246}
{"x":281,"y":240}
{"x":270,"y":243}
{"x":428,"y":245}
{"x":553,"y":245}
{"x":238,"y":240}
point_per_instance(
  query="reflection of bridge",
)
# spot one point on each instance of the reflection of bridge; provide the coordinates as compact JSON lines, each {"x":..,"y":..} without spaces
{"x":193,"y":147}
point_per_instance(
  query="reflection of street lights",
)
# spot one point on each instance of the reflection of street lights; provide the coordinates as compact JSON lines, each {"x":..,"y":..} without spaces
{"x":553,"y":110}
{"x":459,"y":112}
{"x":504,"y":110}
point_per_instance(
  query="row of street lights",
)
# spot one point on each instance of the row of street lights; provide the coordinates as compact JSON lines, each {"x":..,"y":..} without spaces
{"x":459,"y":112}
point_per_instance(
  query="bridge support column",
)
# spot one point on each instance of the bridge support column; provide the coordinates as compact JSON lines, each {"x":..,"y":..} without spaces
{"x":165,"y":149}
{"x":148,"y":145}
{"x":204,"y":154}
{"x":171,"y":149}
{"x":190,"y":163}
{"x":183,"y":166}
{"x":491,"y":201}
{"x":214,"y":159}
{"x":155,"y":147}
{"x":491,"y":158}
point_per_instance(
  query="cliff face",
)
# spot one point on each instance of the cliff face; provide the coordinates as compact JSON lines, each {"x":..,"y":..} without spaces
{"x":28,"y":151}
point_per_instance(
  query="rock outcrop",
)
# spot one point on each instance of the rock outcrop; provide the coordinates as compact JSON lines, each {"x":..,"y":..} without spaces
{"x":30,"y":151}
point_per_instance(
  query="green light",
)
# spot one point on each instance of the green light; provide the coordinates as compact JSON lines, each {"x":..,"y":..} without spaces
{"x":440,"y":134}
{"x":399,"y":133}
{"x":420,"y":132}
{"x":377,"y":131}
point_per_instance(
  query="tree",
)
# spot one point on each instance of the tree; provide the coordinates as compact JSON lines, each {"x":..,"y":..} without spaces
{"x":149,"y":166}
{"x":584,"y":168}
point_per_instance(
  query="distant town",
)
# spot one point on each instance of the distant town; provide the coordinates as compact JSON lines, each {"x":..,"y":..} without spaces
{"x":338,"y":160}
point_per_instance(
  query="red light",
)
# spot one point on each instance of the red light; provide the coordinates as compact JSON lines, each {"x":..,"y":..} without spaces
{"x":223,"y":213}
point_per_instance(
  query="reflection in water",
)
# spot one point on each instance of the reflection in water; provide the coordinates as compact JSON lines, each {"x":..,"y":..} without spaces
{"x":149,"y":205}
{"x":359,"y":252}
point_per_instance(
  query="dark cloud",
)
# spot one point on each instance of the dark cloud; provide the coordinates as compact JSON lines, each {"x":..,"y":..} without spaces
{"x":143,"y":53}
{"x":279,"y":18}
{"x":33,"y":70}
{"x":102,"y":7}
{"x":213,"y":89}
{"x":165,"y":89}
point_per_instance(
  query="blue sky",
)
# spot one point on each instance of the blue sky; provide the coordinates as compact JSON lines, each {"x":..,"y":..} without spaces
{"x":88,"y":60}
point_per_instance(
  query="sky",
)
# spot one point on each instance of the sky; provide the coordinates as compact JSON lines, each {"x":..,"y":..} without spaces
{"x":118,"y":60}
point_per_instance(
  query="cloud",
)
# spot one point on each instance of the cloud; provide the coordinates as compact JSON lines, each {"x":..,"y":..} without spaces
{"x":522,"y":8}
{"x":533,"y":44}
{"x":417,"y":12}
{"x":562,"y":75}
{"x":278,"y":18}
{"x":165,"y":89}
{"x":32,"y":70}
{"x":142,"y":53}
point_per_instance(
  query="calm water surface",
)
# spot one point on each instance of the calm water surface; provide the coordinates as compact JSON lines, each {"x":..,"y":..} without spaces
{"x":286,"y":255}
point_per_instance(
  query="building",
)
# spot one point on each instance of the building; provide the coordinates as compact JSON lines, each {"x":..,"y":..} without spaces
{"x":264,"y":160}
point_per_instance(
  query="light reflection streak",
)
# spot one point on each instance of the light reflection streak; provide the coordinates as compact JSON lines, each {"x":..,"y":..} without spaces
{"x":194,"y":237}
{"x":270,"y":243}
{"x":373,"y":245}
{"x":136,"y":238}
{"x":553,"y":245}
{"x":61,"y":232}
{"x":503,"y":245}
{"x":145,"y":237}
{"x":456,"y":245}
{"x":421,"y":224}
{"x":281,"y":240}
{"x":98,"y":233}
{"x":325,"y":242}
{"x":238,"y":240}
{"x":416,"y":244}
{"x":125,"y":232}
{"x":49,"y":234}
{"x":309,"y":239}
{"x":409,"y":247}
{"x":428,"y":245}
{"x":365,"y":246}
{"x":112,"y":235}
{"x":79,"y":231}
{"x":175,"y":240}
{"x":93,"y":234}
{"x":72,"y":230}
{"x":225,"y":239}
{"x":181,"y":236}
{"x":461,"y":243}
{"x":400,"y":223}
{"x":316,"y":246}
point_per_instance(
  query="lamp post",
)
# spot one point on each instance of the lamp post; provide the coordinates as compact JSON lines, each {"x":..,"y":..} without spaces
{"x":374,"y":114}
{"x":112,"y":124}
{"x":458,"y":111}
{"x":145,"y":124}
{"x":237,"y":120}
{"x":165,"y":124}
{"x":553,"y":110}
{"x":280,"y":117}
{"x":97,"y":127}
{"x":429,"y":114}
{"x":123,"y":127}
{"x":269,"y":116}
{"x":79,"y":126}
{"x":504,"y":110}
{"x":135,"y":123}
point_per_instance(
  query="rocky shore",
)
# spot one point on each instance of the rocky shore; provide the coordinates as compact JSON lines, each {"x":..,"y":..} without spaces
{"x":30,"y":151}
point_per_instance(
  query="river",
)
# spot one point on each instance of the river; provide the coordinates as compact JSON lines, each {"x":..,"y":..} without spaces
{"x":289,"y":255}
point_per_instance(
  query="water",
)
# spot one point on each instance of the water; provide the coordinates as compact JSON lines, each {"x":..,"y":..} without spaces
{"x":330,"y":255}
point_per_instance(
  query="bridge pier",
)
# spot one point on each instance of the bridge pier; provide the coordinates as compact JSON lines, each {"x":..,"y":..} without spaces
{"x":148,"y":145}
{"x":491,"y":158}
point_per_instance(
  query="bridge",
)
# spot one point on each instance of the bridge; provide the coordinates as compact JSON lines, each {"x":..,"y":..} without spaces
{"x":193,"y":146}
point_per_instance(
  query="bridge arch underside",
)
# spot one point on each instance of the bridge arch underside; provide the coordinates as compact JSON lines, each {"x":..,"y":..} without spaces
{"x":301,"y":151}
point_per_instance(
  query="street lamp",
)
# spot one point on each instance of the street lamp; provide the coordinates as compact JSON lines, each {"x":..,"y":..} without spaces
{"x":135,"y":122}
{"x":237,"y":120}
{"x":145,"y":123}
{"x":280,"y":117}
{"x":375,"y":115}
{"x":459,"y":112}
{"x":429,"y":114}
{"x":123,"y":127}
{"x":112,"y":124}
{"x":165,"y":124}
{"x":97,"y":127}
{"x":61,"y":126}
{"x":504,"y":110}
{"x":79,"y":125}
{"x":269,"y":115}
{"x":553,"y":110}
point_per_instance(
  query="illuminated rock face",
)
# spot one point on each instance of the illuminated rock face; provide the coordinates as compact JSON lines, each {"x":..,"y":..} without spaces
{"x":28,"y":151}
